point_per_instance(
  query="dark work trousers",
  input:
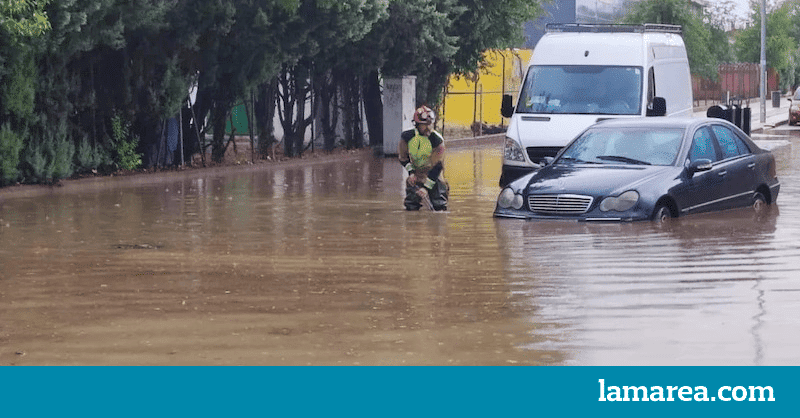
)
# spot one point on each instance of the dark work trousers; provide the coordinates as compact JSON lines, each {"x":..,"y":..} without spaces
{"x":438,"y":196}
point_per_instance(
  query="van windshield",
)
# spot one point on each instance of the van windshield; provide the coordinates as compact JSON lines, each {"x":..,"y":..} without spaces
{"x":582,"y":89}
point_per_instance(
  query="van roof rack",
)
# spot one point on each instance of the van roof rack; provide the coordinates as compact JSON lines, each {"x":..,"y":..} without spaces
{"x":613,"y":28}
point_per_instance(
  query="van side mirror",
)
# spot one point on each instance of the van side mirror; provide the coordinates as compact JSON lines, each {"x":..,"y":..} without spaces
{"x":658,"y":107}
{"x":698,"y":166}
{"x":506,"y":108}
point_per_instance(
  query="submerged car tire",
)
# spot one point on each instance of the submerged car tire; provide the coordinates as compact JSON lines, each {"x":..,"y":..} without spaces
{"x":662,"y":214}
{"x":759,"y":202}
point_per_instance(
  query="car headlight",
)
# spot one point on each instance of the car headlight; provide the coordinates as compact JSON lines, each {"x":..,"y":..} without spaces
{"x":620,"y":203}
{"x":794,"y":108}
{"x":509,"y":199}
{"x":513,"y":152}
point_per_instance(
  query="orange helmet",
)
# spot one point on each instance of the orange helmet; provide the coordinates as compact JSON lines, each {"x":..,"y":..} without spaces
{"x":424,"y":115}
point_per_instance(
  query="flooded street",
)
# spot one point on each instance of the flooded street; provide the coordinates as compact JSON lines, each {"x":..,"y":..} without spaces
{"x":318,"y":264}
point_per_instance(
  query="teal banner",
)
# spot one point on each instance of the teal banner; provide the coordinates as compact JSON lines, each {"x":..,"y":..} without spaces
{"x":399,"y":391}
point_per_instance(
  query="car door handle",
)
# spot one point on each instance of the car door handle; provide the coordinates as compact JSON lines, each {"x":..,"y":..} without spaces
{"x":722,"y":173}
{"x":751,"y":166}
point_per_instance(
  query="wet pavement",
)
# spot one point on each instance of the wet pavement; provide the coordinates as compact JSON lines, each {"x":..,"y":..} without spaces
{"x":319,"y":265}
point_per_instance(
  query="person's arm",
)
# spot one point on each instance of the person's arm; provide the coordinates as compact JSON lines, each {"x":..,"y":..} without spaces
{"x":405,"y":161}
{"x":402,"y":154}
{"x":437,"y":156}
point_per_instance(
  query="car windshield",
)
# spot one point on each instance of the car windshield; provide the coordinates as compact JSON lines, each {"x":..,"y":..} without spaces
{"x":582,"y":89}
{"x":634,"y":146}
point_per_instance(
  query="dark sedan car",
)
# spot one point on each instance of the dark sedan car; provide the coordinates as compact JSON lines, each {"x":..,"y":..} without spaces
{"x":646,"y":168}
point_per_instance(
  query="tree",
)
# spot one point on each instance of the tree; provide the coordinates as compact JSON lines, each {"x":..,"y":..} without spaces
{"x":101,"y":83}
{"x":433,"y":39}
{"x":340,"y":68}
{"x":24,"y":17}
{"x":485,"y":25}
{"x":696,"y":34}
{"x":294,"y":92}
{"x":20,"y":22}
{"x":240,"y":45}
{"x":720,"y":18}
{"x":781,"y":47}
{"x":107,"y":58}
{"x":64,"y":98}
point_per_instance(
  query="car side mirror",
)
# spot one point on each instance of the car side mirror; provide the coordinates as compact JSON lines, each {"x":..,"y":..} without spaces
{"x":506,"y":108}
{"x":548,"y":160}
{"x":658,"y":107}
{"x":699,"y":165}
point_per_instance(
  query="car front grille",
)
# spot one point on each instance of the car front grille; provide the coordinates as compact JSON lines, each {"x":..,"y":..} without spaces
{"x":559,"y":204}
{"x":537,"y":154}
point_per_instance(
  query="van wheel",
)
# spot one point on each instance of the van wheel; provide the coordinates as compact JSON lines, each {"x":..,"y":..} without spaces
{"x":662,"y":214}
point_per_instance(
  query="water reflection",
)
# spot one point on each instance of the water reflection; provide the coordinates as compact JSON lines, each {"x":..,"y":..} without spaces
{"x":707,"y":289}
{"x":639,"y":294}
{"x":319,"y":264}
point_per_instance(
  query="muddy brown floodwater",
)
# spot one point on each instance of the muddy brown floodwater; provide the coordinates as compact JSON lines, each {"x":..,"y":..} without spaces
{"x":319,"y":265}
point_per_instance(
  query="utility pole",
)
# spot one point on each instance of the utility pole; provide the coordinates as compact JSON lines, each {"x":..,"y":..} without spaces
{"x":763,"y":61}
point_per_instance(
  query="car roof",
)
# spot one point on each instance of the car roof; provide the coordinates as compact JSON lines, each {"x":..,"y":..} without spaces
{"x":684,"y":123}
{"x":659,"y":122}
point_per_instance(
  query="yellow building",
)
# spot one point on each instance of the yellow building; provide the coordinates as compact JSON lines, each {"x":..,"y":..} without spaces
{"x":468,"y":100}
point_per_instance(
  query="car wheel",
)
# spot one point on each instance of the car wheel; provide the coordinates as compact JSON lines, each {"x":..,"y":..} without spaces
{"x":759,"y":202}
{"x":662,"y":214}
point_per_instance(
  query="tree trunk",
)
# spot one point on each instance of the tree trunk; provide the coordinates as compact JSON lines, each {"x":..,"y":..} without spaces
{"x":265,"y":114}
{"x":219,"y":115}
{"x":327,"y":96}
{"x":286,"y":109}
{"x":353,"y":131}
{"x":302,"y":89}
{"x":292,"y":95}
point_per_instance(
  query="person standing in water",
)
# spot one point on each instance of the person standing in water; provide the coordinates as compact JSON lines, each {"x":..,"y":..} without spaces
{"x":421,"y":153}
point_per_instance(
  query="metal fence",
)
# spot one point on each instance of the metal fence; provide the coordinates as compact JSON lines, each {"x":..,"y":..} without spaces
{"x":736,"y":81}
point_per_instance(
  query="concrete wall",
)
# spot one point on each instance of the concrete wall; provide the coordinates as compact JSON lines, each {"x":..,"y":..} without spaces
{"x":399,"y":97}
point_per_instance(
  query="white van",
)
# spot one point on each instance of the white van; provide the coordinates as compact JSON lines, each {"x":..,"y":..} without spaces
{"x":583,"y":73}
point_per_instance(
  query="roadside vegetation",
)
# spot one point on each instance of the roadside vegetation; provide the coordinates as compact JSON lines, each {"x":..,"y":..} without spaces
{"x":717,"y":36}
{"x":91,"y":86}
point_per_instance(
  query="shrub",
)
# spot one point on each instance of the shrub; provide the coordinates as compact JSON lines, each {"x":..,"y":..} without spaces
{"x":51,"y":159}
{"x":61,"y":151}
{"x":124,"y":144}
{"x":10,"y":148}
{"x":89,"y":158}
{"x":37,"y":169}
